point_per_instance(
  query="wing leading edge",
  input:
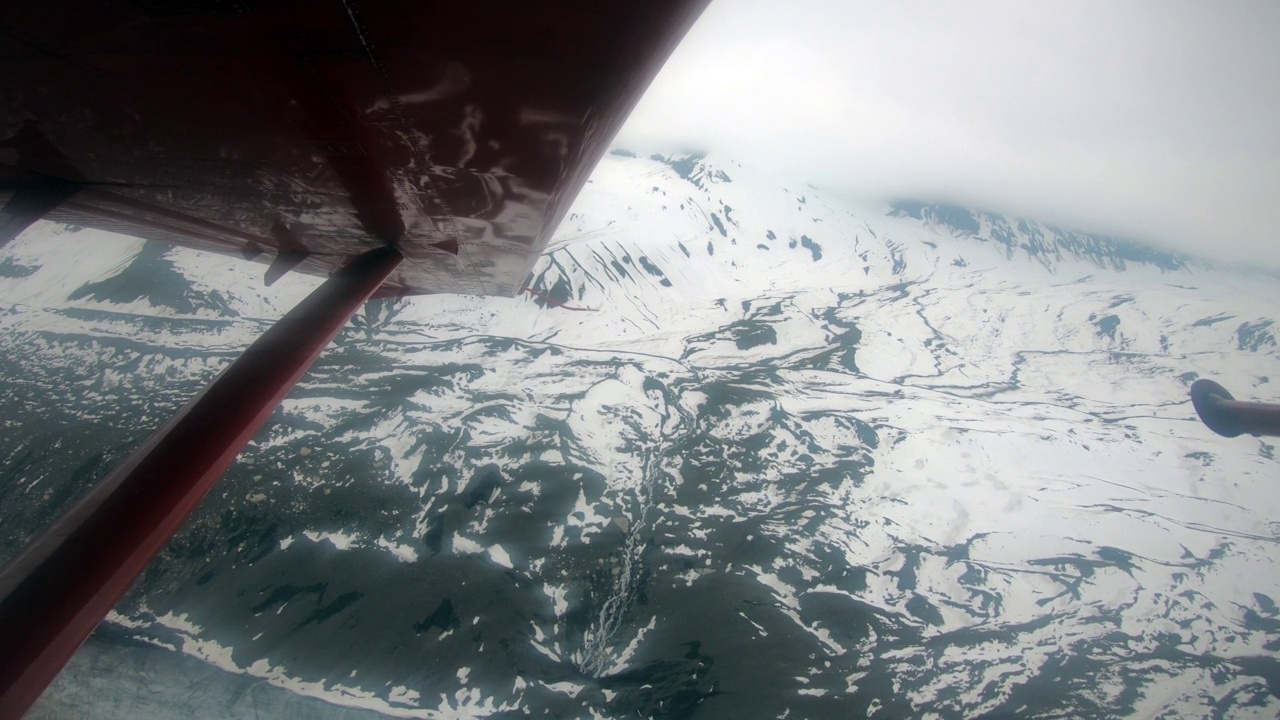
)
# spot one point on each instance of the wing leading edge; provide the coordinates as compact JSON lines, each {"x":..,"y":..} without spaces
{"x":304,"y":133}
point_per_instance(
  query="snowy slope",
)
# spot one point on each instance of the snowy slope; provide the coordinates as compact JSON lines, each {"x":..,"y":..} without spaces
{"x":743,"y":450}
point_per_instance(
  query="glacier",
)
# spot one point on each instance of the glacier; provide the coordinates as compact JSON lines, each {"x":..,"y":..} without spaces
{"x":743,"y":448}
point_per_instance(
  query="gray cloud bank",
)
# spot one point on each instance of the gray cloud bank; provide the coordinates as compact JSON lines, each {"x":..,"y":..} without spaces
{"x":1152,"y":119}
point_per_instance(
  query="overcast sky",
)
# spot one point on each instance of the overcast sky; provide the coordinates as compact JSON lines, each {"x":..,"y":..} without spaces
{"x":1154,"y":119}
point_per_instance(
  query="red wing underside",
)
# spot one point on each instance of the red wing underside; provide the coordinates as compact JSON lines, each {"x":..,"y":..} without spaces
{"x":304,"y":132}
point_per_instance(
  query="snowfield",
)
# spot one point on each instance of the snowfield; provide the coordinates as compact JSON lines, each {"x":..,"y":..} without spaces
{"x":742,"y":449}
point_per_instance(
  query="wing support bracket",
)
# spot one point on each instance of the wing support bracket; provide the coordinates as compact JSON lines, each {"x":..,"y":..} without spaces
{"x":1229,"y":417}
{"x":31,"y":202}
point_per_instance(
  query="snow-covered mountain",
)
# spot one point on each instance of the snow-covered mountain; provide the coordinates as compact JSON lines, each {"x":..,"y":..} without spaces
{"x":742,"y":449}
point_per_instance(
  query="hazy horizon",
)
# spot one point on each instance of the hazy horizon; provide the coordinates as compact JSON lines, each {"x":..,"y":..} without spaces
{"x":1144,"y":120}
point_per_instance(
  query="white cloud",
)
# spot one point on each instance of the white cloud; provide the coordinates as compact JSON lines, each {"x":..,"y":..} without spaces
{"x":1148,"y":118}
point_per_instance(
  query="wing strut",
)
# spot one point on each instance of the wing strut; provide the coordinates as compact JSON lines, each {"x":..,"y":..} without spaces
{"x":57,"y":590}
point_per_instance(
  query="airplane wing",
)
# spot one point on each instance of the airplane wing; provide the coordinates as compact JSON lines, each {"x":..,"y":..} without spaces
{"x":302,"y":132}
{"x":400,"y":146}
